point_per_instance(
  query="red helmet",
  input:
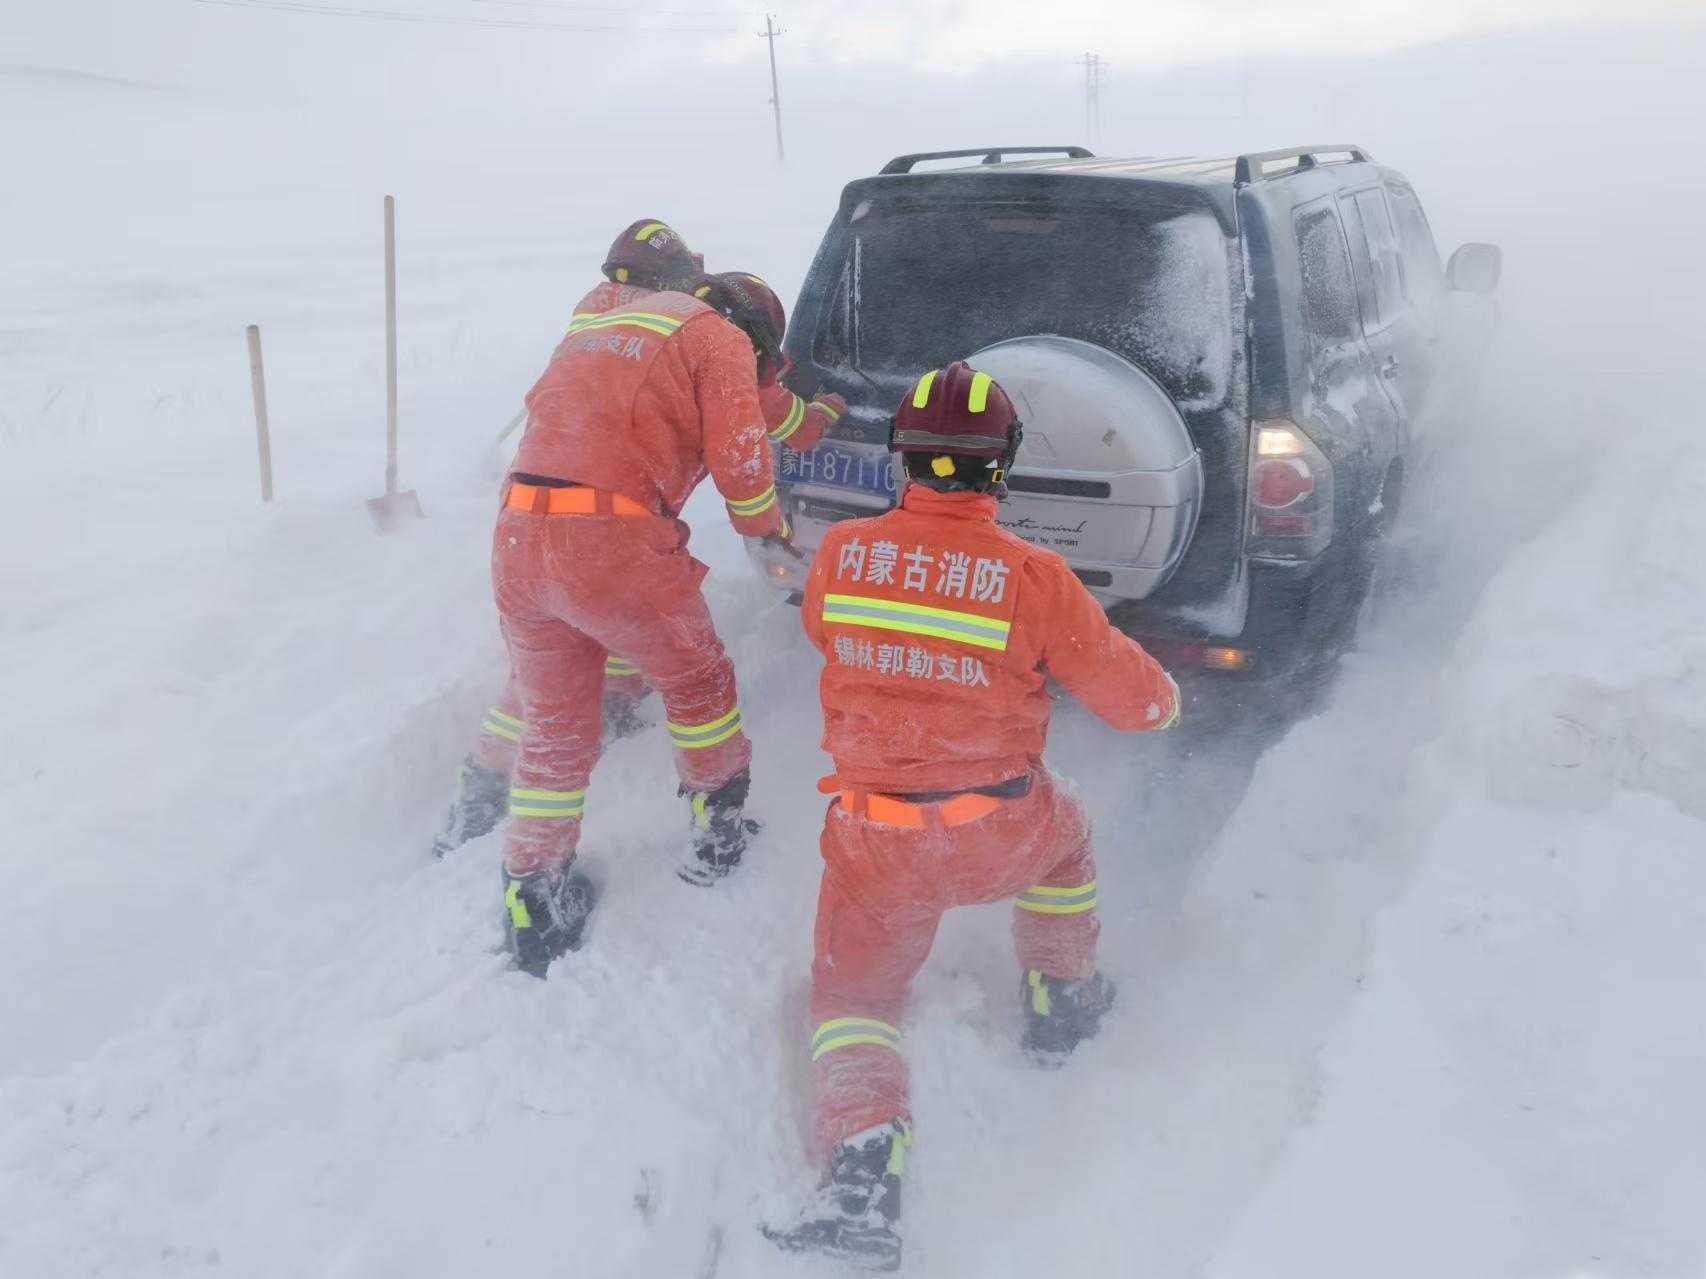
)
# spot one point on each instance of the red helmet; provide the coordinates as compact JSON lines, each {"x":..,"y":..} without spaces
{"x":653,"y":255}
{"x":965,"y":423}
{"x":957,"y":412}
{"x":752,"y":306}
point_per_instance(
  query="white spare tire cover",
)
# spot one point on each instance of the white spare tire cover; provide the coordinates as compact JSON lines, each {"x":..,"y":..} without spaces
{"x":1107,"y":474}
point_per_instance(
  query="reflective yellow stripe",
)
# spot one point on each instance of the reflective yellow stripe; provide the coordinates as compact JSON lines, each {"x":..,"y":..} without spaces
{"x":649,"y":230}
{"x":518,"y":912}
{"x":827,"y":410}
{"x":1044,"y":900}
{"x":529,"y":802}
{"x":791,"y":423}
{"x":852,"y":1041}
{"x":847,"y":1032}
{"x":755,"y":505}
{"x":917,"y":619}
{"x":581,"y":319}
{"x":921,"y":392}
{"x":898,"y":1149}
{"x":620,"y":666}
{"x":504,"y":727}
{"x":664,"y":324}
{"x":694,"y":737}
{"x":1040,"y":1000}
{"x":978,"y":401}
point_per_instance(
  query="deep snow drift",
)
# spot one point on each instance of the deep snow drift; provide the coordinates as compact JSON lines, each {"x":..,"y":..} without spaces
{"x":1409,"y":987}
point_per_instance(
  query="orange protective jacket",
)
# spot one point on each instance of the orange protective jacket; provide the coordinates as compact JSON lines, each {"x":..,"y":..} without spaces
{"x":788,"y":419}
{"x":644,"y":399}
{"x":791,"y":421}
{"x":938,"y":630}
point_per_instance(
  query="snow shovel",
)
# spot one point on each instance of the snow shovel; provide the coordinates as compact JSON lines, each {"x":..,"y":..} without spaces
{"x":394,"y":507}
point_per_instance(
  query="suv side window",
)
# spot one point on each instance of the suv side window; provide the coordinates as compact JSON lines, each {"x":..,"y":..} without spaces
{"x":1424,"y":280}
{"x":1357,"y":238}
{"x":1385,"y":266}
{"x":1329,"y":292}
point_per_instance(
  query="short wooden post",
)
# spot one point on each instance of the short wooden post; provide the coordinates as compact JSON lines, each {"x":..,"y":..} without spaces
{"x":388,"y":510}
{"x":390,"y":346}
{"x":263,"y":434}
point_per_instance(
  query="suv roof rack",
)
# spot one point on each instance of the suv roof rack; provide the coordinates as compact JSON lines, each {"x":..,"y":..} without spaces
{"x":1249,"y":167}
{"x":991,"y":155}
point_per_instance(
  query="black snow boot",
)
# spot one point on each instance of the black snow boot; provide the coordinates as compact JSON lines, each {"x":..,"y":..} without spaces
{"x":1061,"y":1013}
{"x":545,"y":916}
{"x":855,"y":1215}
{"x":482,"y":801}
{"x":719,"y":831}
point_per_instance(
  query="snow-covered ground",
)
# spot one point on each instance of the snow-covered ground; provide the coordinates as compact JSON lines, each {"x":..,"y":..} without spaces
{"x":1410,"y":987}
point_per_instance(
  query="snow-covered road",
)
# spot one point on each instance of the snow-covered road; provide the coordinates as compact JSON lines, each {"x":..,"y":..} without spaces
{"x":1409,"y":987}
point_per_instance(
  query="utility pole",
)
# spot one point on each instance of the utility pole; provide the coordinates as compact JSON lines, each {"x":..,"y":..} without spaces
{"x":1093,"y":96}
{"x":770,"y":32}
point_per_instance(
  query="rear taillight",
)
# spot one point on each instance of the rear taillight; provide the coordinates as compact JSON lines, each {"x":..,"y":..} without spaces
{"x":1291,"y":493}
{"x":1280,"y":482}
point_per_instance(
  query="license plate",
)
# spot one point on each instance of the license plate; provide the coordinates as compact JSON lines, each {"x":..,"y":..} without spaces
{"x":841,"y":467}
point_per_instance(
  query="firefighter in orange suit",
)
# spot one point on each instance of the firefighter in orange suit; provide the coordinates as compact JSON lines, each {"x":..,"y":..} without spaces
{"x":589,"y":559}
{"x":795,"y":414}
{"x":646,"y":257}
{"x":938,"y":631}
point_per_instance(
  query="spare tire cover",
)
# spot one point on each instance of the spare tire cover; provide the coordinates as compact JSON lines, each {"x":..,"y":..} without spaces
{"x":1107,"y":474}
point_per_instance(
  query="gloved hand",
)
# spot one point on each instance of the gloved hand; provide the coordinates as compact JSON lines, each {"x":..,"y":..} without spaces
{"x":830,"y":403}
{"x":783,"y":540}
{"x":1172,"y":720}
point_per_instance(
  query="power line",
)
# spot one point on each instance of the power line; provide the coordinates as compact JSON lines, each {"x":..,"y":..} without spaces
{"x":627,"y":10}
{"x":490,"y":24}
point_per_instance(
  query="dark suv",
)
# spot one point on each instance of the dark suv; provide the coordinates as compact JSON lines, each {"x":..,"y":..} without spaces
{"x":1222,"y":366}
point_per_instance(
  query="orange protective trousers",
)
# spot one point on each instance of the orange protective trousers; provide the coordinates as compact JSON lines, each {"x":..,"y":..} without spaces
{"x":570,"y":590}
{"x":500,"y":731}
{"x":884,"y":891}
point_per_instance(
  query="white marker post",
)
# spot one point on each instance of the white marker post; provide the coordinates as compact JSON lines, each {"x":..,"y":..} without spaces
{"x":263,"y":434}
{"x":387,"y":510}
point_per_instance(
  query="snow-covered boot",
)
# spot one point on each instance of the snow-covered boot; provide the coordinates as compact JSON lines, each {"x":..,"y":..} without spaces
{"x":622,"y":716}
{"x":719,"y":831}
{"x":545,"y":914}
{"x":1061,"y":1013}
{"x":482,"y":801}
{"x":855,"y":1215}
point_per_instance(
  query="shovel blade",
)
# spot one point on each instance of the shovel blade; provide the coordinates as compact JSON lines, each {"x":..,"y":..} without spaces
{"x":394,"y":509}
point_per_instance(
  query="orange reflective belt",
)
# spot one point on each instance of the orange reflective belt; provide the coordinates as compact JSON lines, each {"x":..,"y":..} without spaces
{"x":898,"y":812}
{"x":578,"y":500}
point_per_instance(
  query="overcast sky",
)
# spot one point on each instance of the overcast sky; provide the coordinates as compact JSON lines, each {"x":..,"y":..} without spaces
{"x":955,"y":34}
{"x":162,"y":39}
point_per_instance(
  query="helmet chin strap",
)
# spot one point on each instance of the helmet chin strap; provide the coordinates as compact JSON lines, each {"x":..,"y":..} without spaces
{"x":998,"y":475}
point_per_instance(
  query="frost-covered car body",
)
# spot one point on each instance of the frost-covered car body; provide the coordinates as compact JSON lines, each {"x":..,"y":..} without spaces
{"x":1221,"y":365}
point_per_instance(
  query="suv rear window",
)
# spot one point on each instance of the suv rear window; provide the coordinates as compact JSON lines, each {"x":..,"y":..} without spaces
{"x":925,"y":282}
